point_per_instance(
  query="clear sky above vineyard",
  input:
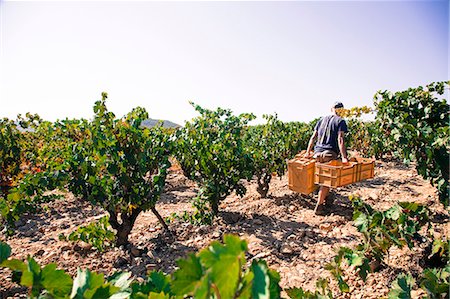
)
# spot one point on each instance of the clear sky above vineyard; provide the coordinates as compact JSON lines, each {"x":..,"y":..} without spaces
{"x":293,"y":58}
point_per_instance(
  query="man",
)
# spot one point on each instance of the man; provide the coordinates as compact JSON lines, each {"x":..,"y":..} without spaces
{"x":329,"y":132}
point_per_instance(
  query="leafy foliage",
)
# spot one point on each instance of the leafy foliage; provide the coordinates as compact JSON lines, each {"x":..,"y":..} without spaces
{"x":96,"y":233}
{"x":364,"y":136}
{"x":5,"y":251}
{"x":367,"y":138}
{"x":270,"y":145}
{"x":28,"y":195}
{"x":40,"y":281}
{"x":48,"y":282}
{"x":35,"y":143}
{"x":436,"y":282}
{"x":10,"y":154}
{"x":322,"y":292}
{"x":157,"y":285}
{"x":354,"y":112}
{"x":92,"y":285}
{"x":211,"y":152}
{"x":201,"y":215}
{"x":42,"y":151}
{"x":441,"y":248}
{"x":401,"y":287}
{"x":417,"y":123}
{"x":200,"y":275}
{"x":399,"y":226}
{"x":120,"y":166}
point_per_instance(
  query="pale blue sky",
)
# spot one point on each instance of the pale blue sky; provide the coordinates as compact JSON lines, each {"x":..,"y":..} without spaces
{"x":294,"y":58}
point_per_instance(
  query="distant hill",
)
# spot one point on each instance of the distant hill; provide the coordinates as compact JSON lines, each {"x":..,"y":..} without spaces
{"x":152,"y":122}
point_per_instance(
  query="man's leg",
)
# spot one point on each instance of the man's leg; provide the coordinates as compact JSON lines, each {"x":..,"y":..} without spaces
{"x":323,"y":193}
{"x":320,"y":206}
{"x":323,"y":157}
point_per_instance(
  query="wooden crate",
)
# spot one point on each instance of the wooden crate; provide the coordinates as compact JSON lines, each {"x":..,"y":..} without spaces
{"x":335,"y":174}
{"x":301,"y":175}
{"x":365,"y":169}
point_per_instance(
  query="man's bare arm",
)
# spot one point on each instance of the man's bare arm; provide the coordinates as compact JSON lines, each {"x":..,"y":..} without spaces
{"x":342,"y":147}
{"x":311,"y":142}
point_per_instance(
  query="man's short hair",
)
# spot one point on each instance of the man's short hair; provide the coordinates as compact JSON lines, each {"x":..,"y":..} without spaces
{"x":338,"y":105}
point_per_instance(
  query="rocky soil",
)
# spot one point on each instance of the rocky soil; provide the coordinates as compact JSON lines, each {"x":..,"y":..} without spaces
{"x":282,"y":229}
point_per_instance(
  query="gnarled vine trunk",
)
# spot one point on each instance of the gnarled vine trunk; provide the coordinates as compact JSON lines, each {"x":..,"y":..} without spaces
{"x":124,"y":227}
{"x":263,"y":184}
{"x":215,"y":206}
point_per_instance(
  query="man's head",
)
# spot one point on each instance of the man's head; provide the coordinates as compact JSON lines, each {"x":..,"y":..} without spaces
{"x":337,"y":106}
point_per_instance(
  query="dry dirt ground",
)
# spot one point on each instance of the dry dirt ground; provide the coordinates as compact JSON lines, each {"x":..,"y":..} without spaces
{"x":281,"y":229}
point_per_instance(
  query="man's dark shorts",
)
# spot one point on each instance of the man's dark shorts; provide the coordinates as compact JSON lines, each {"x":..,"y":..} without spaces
{"x":325,"y":156}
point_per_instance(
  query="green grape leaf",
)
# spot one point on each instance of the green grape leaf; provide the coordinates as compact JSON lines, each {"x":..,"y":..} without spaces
{"x":188,"y":277}
{"x":87,"y":282}
{"x":5,"y":251}
{"x":56,"y":282}
{"x":261,"y":281}
{"x":401,"y":287}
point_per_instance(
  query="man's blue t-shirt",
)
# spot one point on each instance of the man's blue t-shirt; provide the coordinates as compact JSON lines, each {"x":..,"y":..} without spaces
{"x":327,"y":129}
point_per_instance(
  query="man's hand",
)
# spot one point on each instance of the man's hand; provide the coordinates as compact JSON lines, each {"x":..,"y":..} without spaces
{"x":344,"y":161}
{"x":342,"y":147}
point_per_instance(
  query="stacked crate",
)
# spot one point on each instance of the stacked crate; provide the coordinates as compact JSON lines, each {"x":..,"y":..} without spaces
{"x":305,"y":174}
{"x":335,"y":173}
{"x":301,"y":174}
{"x":365,"y":169}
